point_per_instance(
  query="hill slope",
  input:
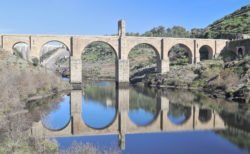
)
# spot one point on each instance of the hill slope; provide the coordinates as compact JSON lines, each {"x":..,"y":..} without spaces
{"x":229,"y":26}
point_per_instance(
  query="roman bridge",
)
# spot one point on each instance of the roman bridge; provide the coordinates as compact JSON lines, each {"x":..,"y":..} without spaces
{"x":121,"y":44}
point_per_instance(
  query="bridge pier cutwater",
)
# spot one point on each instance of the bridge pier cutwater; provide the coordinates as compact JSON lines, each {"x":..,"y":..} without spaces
{"x":121,"y":44}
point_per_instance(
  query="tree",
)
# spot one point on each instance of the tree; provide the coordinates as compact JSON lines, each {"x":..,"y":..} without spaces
{"x":197,"y":33}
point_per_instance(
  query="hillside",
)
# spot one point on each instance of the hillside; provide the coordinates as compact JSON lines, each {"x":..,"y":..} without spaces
{"x":229,"y":26}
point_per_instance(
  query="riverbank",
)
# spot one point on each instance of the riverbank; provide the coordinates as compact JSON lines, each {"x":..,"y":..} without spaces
{"x":229,"y":80}
{"x":19,"y":82}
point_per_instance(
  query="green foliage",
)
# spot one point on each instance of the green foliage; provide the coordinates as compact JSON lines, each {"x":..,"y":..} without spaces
{"x":35,"y":61}
{"x":175,"y":31}
{"x":197,"y":33}
{"x":178,"y":55}
{"x":100,"y":94}
{"x":240,"y":139}
{"x":141,"y":56}
{"x":139,"y":100}
{"x":98,"y":51}
{"x":51,"y":147}
{"x":228,"y":27}
{"x":239,"y":71}
{"x":228,"y":55}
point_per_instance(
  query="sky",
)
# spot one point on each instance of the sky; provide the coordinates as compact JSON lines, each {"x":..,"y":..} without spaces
{"x":100,"y":17}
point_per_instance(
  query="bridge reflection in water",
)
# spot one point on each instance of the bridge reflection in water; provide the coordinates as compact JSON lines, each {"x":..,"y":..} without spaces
{"x":169,"y":117}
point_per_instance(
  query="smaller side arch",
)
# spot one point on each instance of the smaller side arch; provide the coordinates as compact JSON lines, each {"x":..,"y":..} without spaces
{"x":60,"y":42}
{"x":146,"y":44}
{"x":240,"y":51}
{"x":206,"y":52}
{"x":189,"y":51}
{"x":55,"y":54}
{"x":21,"y":48}
{"x":37,"y":43}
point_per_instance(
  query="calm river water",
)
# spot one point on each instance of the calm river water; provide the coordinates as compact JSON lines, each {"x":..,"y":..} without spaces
{"x":144,"y":121}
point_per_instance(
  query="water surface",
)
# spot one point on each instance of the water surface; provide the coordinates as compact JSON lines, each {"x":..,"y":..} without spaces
{"x":141,"y":120}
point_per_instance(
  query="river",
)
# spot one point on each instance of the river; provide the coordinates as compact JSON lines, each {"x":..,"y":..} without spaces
{"x":144,"y":121}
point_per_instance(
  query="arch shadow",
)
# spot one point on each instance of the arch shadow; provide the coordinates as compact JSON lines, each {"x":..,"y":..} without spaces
{"x":205,"y":115}
{"x":206,"y":52}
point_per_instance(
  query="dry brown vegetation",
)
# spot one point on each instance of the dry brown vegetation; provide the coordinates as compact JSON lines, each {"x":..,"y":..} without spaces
{"x":87,"y":148}
{"x":18,"y":81}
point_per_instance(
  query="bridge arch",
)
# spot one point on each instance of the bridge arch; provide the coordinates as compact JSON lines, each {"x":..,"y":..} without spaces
{"x":21,"y":49}
{"x":8,"y":41}
{"x":102,"y":42}
{"x":80,"y":44}
{"x":107,"y":53}
{"x":206,"y":52}
{"x":143,"y":59}
{"x":56,"y":43}
{"x":147,"y":45}
{"x":55,"y":55}
{"x":183,"y":48}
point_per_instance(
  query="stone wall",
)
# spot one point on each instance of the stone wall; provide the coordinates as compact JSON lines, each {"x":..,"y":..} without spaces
{"x":238,"y":46}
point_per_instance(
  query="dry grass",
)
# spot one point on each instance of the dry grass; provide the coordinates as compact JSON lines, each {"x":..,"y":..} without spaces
{"x":87,"y":148}
{"x":19,"y":80}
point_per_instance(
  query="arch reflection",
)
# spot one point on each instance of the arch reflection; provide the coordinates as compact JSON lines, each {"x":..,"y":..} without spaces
{"x":99,"y":107}
{"x":143,"y":109}
{"x":59,"y":118}
{"x":205,"y":115}
{"x":178,"y":114}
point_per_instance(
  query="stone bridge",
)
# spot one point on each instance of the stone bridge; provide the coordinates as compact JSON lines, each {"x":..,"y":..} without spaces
{"x":121,"y":44}
{"x":122,"y":124}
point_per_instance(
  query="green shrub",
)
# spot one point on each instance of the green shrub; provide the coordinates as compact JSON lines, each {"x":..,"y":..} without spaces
{"x":35,"y":61}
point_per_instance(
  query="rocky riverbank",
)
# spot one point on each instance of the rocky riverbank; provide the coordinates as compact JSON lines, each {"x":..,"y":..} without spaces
{"x":230,"y":80}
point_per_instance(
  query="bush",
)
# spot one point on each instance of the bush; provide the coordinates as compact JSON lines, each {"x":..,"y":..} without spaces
{"x":35,"y":61}
{"x":228,"y":55}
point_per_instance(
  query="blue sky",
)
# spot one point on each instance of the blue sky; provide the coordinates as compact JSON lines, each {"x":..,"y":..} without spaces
{"x":93,"y":17}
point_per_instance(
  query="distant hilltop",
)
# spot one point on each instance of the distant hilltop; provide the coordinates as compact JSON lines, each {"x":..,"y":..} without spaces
{"x":231,"y":25}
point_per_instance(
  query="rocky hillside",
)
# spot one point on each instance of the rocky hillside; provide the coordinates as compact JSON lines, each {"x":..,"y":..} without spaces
{"x":229,"y":26}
